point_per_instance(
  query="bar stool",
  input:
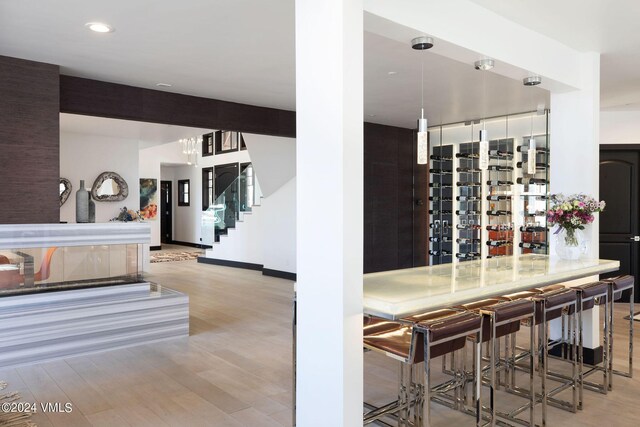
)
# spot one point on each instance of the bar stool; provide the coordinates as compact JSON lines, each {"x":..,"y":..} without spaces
{"x":401,"y":341}
{"x":503,"y":318}
{"x":618,"y":285}
{"x":588,"y":296}
{"x":549,"y":306}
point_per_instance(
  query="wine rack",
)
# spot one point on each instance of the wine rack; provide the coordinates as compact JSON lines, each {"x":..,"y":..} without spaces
{"x":478,"y":214}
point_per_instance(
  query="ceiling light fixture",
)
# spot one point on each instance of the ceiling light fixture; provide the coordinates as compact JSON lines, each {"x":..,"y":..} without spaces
{"x":483,"y":146}
{"x":99,"y":27}
{"x":422,"y":43}
{"x":484,"y":64}
{"x":164,"y":84}
{"x":190,"y":148}
{"x":532,"y":81}
{"x":392,"y":73}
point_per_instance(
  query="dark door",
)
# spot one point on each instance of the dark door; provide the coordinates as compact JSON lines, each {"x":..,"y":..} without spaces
{"x":619,"y":221}
{"x":165,"y":212}
{"x":226,"y":189}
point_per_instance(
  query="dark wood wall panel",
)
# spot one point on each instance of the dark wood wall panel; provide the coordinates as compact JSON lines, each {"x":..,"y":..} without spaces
{"x":116,"y":101}
{"x":29,"y":142}
{"x":389,"y":224}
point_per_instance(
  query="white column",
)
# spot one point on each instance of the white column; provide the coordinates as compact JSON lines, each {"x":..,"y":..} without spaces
{"x":329,"y":105}
{"x":575,"y":159}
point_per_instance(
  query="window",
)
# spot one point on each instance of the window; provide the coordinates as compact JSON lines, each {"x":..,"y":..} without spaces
{"x":207,"y":144}
{"x":183,"y":192}
{"x":207,"y":188}
{"x":226,"y":141}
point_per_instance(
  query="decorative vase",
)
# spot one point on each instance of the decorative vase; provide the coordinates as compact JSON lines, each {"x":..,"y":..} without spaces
{"x":92,"y":209}
{"x":570,"y":243}
{"x":82,"y":204}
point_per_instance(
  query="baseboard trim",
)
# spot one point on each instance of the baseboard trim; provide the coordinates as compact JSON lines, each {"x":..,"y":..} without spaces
{"x":248,"y":266}
{"x":155,"y":248}
{"x":227,"y":263}
{"x":191,"y":245}
{"x":278,"y":273}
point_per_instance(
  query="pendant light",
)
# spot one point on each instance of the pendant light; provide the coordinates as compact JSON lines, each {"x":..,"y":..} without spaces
{"x":422,"y":43}
{"x":483,"y":162}
{"x":531,"y":152}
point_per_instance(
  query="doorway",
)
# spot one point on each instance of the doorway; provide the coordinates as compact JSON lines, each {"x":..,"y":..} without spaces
{"x":619,"y":223}
{"x":224,"y":176}
{"x":166,"y":212}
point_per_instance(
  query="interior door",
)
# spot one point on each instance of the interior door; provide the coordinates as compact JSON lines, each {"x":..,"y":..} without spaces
{"x":619,"y":221}
{"x":166,"y":213}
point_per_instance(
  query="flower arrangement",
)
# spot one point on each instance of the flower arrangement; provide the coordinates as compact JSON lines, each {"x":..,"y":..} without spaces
{"x":571,"y":213}
{"x":127,"y":215}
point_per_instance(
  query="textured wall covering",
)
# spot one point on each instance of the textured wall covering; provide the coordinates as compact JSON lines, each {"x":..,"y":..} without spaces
{"x":29,"y":141}
{"x":393,"y":237}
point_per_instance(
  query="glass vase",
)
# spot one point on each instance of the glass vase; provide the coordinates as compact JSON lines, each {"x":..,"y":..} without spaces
{"x":570,"y":243}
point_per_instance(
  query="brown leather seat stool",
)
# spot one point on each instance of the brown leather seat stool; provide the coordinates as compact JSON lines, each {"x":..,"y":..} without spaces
{"x":398,"y":340}
{"x":617,"y":286}
{"x":588,"y":296}
{"x":503,"y":318}
{"x":552,"y":305}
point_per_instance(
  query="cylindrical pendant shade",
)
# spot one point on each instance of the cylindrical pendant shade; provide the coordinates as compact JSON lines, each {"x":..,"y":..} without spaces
{"x":423,"y":148}
{"x":531,"y":156}
{"x":483,"y":150}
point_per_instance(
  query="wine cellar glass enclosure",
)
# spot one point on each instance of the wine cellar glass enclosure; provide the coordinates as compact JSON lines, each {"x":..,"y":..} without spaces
{"x":483,"y":212}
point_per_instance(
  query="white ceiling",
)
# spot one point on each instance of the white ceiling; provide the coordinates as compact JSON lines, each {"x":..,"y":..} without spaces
{"x":147,"y":134}
{"x":606,"y":26}
{"x":243,"y":51}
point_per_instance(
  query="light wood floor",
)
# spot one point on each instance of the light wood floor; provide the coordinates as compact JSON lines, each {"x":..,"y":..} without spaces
{"x":235,"y":368}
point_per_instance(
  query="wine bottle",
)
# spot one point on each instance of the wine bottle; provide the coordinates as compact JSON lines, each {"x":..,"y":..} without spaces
{"x":498,"y":227}
{"x":539,"y":165}
{"x":468,"y":170}
{"x":500,"y":153}
{"x":468,"y":255}
{"x":440,"y":253}
{"x":495,"y":198}
{"x":467,"y":198}
{"x":444,"y":239}
{"x":498,"y":213}
{"x":439,"y":185}
{"x":536,"y":213}
{"x":500,"y":168}
{"x":467,"y":155}
{"x":440,"y":172}
{"x":531,"y":181}
{"x":438,"y":212}
{"x":438,"y":226}
{"x":440,"y":199}
{"x":531,"y":245}
{"x":531,"y":229}
{"x":498,"y":242}
{"x":525,"y":148}
{"x":468,"y":184}
{"x":497,"y":182}
{"x":464,"y":241}
{"x":468,"y":227}
{"x":440,"y":158}
{"x":461,"y":212}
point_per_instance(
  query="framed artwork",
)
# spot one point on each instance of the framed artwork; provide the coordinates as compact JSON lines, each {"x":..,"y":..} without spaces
{"x":149,"y":198}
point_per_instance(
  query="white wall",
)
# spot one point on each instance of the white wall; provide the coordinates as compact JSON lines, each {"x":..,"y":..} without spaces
{"x":620,"y":127}
{"x":279,"y":233}
{"x":84,"y":156}
{"x":273,"y":159}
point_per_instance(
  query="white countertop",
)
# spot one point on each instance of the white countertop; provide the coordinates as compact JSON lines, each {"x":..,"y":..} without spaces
{"x":21,"y":236}
{"x":398,"y":293}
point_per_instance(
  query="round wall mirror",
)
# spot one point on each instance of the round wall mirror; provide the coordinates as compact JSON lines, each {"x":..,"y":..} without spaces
{"x":65,"y":190}
{"x":109,"y":187}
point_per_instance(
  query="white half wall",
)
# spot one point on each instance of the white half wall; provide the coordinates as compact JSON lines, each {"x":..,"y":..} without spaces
{"x":620,"y":127}
{"x":273,"y":159}
{"x":85,"y":156}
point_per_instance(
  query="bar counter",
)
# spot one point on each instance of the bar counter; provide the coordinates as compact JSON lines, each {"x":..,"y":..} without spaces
{"x":399,"y":293}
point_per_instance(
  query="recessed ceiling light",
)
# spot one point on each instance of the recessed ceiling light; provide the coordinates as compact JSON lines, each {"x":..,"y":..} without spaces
{"x":371,"y":115}
{"x":99,"y":27}
{"x":164,"y":84}
{"x":392,"y":73}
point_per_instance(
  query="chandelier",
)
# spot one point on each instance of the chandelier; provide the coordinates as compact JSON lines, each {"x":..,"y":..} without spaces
{"x":190,"y":148}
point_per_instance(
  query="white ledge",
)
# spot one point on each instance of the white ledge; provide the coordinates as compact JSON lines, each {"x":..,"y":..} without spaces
{"x":22,"y":236}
